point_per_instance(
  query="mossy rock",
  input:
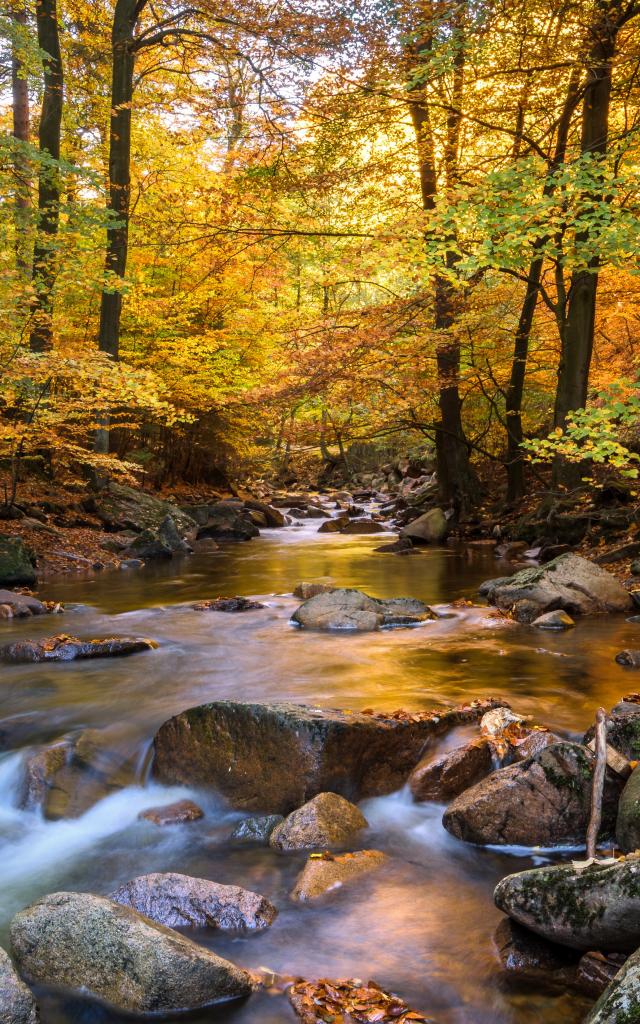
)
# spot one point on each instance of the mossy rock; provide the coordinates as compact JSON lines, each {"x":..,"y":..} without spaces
{"x":16,"y":562}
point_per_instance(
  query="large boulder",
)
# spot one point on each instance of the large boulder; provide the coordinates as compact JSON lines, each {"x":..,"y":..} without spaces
{"x":544,"y":800}
{"x":17,"y":1005}
{"x":96,"y":947}
{"x":326,"y":821}
{"x":165,"y":541}
{"x":352,"y":609}
{"x":126,"y":508}
{"x":274,"y":757}
{"x":180,"y":901}
{"x":623,"y":728}
{"x":327,"y":873}
{"x":430,"y":528}
{"x":594,"y":907}
{"x":228,"y":520}
{"x":16,"y":563}
{"x":628,"y":820}
{"x":569,"y":582}
{"x":620,"y":1002}
{"x":70,"y":648}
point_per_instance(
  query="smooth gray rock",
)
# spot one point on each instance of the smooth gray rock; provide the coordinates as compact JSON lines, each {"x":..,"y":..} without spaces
{"x":595,"y":908}
{"x":180,"y":901}
{"x":17,"y":1005}
{"x":430,"y":528}
{"x":22,"y":605}
{"x":352,"y":609}
{"x":569,"y":582}
{"x":96,"y":947}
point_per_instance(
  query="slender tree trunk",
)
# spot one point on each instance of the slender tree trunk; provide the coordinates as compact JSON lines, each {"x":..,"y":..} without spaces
{"x":20,"y":107}
{"x":122,"y":38}
{"x":456,"y":480}
{"x":44,"y":256}
{"x":578,"y":332}
{"x":515,"y":390}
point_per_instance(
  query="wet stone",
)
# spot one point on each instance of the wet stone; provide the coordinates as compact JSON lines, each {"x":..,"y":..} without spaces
{"x":173,"y":814}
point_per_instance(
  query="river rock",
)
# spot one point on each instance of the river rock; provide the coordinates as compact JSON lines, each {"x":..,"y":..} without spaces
{"x":163,"y":541}
{"x":544,"y":800}
{"x":352,"y":609}
{"x":324,"y":874}
{"x":16,"y":562}
{"x":127,"y":508}
{"x":333,"y":525}
{"x":357,"y":526}
{"x":17,"y":1005}
{"x":629,"y":658}
{"x":228,"y":604}
{"x":96,"y":947}
{"x":273,"y":516}
{"x":305,"y":590}
{"x":450,"y":774}
{"x":570,"y":583}
{"x":557,"y":620}
{"x":596,"y":971}
{"x":66,"y":778}
{"x":430,"y":528}
{"x":281,"y":755}
{"x":528,"y":957}
{"x":326,"y":821}
{"x":173,"y":814}
{"x":623,"y":728}
{"x":256,"y":830}
{"x":21,"y":605}
{"x":620,"y":1002}
{"x":628,"y":821}
{"x":180,"y":901}
{"x":597,"y":907}
{"x":70,"y":648}
{"x":228,"y":520}
{"x":401,"y":546}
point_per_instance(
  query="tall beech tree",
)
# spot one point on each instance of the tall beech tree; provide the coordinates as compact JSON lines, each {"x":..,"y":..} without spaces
{"x":49,"y":185}
{"x":20,"y":130}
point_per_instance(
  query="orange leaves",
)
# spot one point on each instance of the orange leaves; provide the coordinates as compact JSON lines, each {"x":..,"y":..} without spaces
{"x":349,"y":1002}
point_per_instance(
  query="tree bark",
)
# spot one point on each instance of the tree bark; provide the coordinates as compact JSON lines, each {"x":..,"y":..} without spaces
{"x":125,"y":20}
{"x":578,"y":330}
{"x":20,"y":109}
{"x":44,"y":256}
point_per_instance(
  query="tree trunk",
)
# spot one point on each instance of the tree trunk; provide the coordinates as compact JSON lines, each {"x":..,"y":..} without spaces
{"x":20,"y":107}
{"x":578,"y":331}
{"x":515,"y":390}
{"x":122,"y":37}
{"x":44,"y":256}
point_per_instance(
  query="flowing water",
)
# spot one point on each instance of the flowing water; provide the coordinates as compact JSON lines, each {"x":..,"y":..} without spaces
{"x":423,"y":925}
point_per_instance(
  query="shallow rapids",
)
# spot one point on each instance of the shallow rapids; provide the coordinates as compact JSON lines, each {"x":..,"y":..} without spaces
{"x":421,"y":926}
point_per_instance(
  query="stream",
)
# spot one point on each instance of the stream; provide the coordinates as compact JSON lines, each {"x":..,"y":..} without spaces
{"x":421,"y":926}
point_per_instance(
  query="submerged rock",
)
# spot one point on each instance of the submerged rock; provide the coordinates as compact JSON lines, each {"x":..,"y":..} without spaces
{"x":70,"y":648}
{"x":528,"y":957}
{"x":430,"y":528}
{"x":17,"y":1005}
{"x":628,"y":658}
{"x":173,"y":814}
{"x":96,"y":947}
{"x":544,"y":800}
{"x":228,"y":604}
{"x":283,"y":754}
{"x":570,"y":583}
{"x":595,"y":907}
{"x":16,"y":562}
{"x":256,"y":830}
{"x":180,"y":901}
{"x":326,"y":821}
{"x":596,"y":971}
{"x":326,"y":873}
{"x":352,"y":609}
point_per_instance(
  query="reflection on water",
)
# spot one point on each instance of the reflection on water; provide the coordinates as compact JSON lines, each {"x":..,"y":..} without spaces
{"x":423,"y":924}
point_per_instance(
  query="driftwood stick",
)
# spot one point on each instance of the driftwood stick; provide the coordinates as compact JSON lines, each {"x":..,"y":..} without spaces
{"x":597,"y":783}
